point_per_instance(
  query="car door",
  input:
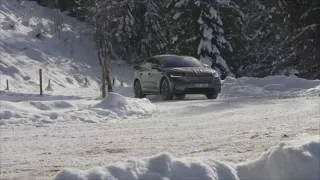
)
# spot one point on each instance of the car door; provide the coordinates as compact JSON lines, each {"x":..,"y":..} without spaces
{"x":144,"y":74}
{"x":155,"y":76}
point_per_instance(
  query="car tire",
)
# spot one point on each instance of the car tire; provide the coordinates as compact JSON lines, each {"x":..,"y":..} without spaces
{"x":165,"y":90}
{"x":212,"y":96}
{"x":138,"y":90}
{"x":180,"y":96}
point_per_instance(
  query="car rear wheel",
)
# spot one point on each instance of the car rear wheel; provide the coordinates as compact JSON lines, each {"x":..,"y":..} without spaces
{"x":212,"y":96}
{"x":165,"y":90}
{"x":180,"y":96}
{"x":138,"y":90}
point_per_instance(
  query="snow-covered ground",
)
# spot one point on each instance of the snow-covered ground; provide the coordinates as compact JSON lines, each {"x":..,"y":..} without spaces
{"x":231,"y":130}
{"x":297,"y":159}
{"x":236,"y":136}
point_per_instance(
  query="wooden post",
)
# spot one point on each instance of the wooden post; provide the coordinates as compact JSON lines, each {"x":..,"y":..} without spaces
{"x":7,"y":85}
{"x":103,"y":79}
{"x":49,"y":83}
{"x":85,"y":81}
{"x":40,"y":77}
{"x":113,"y":81}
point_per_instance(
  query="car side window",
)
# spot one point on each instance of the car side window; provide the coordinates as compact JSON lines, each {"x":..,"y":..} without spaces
{"x":156,"y":61}
{"x":148,"y":63}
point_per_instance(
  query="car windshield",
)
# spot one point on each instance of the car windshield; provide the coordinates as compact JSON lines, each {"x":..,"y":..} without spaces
{"x":172,"y":62}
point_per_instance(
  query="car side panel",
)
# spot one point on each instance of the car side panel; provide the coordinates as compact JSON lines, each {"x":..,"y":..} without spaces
{"x":155,"y":77}
{"x":141,"y":76}
{"x":146,"y":80}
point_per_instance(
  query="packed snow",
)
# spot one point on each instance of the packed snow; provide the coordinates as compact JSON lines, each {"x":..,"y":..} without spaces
{"x":44,"y":110}
{"x":70,"y":130}
{"x":297,"y":159}
{"x":126,"y":106}
{"x":162,"y":166}
{"x":33,"y":109}
{"x":270,"y":86}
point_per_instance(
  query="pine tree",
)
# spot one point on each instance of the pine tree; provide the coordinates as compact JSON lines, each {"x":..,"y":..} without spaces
{"x":305,"y":39}
{"x":197,"y":31}
{"x":153,"y":26}
{"x":246,"y":37}
{"x":234,"y":27}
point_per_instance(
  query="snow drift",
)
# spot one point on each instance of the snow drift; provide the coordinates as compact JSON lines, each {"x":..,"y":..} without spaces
{"x":48,"y":110}
{"x":297,"y":159}
{"x":294,"y":160}
{"x":160,"y":167}
{"x":125,"y":106}
{"x":271,"y":85}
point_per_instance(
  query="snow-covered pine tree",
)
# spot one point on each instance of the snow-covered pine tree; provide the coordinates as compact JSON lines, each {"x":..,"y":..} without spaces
{"x":233,"y":25}
{"x":183,"y":35}
{"x":120,"y":28}
{"x":197,"y":31}
{"x":253,"y":36}
{"x":304,"y":17}
{"x":153,"y":26}
{"x":291,"y":41}
{"x":80,"y":9}
{"x":212,"y":39}
{"x":274,"y":37}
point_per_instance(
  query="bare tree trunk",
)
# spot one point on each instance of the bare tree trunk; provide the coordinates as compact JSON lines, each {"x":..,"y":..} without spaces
{"x":107,"y":75}
{"x":103,"y":81}
{"x":100,"y":40}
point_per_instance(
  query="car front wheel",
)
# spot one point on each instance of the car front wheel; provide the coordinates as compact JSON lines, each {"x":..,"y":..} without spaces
{"x":212,"y":96}
{"x":138,"y":90}
{"x":165,"y":90}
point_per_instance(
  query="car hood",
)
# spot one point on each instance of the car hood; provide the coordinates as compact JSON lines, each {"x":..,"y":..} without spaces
{"x":191,"y":70}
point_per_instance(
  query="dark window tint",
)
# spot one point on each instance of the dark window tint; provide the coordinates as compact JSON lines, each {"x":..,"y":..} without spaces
{"x":171,"y":62}
{"x":156,"y":61}
{"x":149,"y":60}
{"x":153,"y":61}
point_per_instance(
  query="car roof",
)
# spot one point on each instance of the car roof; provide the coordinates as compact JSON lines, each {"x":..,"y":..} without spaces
{"x":164,"y":56}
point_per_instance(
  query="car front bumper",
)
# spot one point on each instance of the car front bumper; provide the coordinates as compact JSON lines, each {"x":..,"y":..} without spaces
{"x":182,"y":87}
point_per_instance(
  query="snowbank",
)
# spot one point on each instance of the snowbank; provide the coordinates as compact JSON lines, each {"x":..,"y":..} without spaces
{"x":51,"y":109}
{"x":299,"y":159}
{"x":125,"y":106}
{"x":160,"y":167}
{"x":272,"y":85}
{"x":293,"y":160}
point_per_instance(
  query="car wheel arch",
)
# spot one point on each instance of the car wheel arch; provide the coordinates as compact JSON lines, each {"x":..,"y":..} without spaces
{"x":135,"y":80}
{"x":162,"y":79}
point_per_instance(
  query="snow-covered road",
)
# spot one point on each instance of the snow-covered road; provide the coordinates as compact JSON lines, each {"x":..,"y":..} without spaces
{"x":227,"y":129}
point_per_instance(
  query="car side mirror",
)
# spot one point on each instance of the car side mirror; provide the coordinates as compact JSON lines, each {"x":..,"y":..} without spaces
{"x":206,"y":65}
{"x":155,"y":66}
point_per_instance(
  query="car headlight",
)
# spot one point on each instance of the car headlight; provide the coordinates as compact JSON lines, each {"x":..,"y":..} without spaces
{"x":176,"y":74}
{"x":215,"y":74}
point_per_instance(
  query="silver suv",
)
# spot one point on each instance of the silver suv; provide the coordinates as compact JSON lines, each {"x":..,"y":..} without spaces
{"x":175,"y":76}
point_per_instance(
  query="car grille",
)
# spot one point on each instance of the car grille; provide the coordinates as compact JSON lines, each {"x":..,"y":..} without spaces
{"x":199,"y":90}
{"x":199,"y":78}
